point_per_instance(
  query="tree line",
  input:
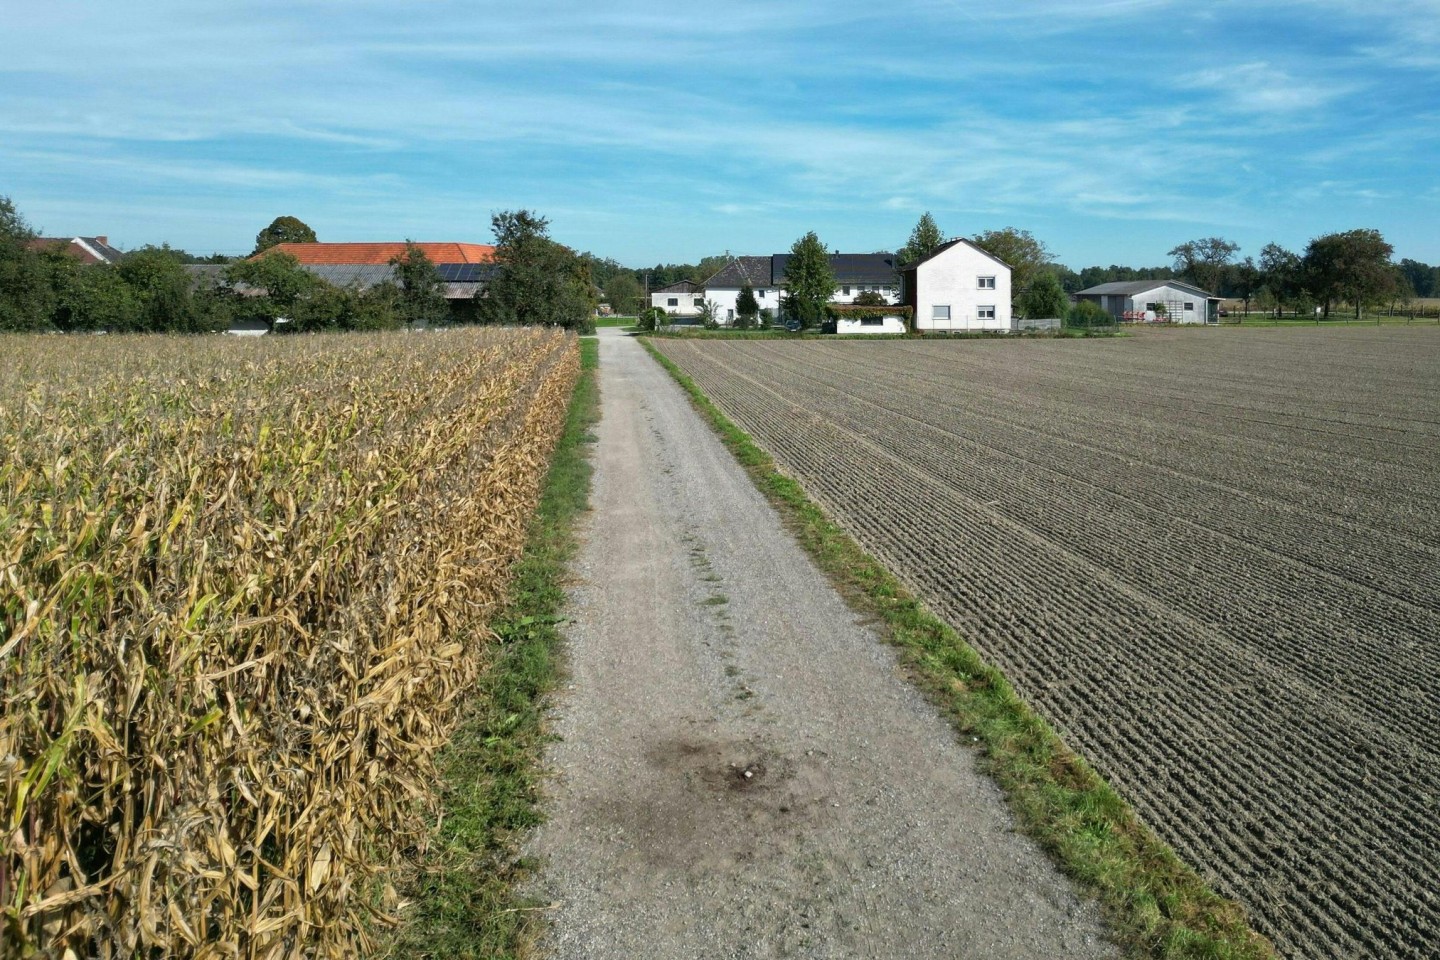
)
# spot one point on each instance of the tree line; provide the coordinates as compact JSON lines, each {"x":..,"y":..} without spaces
{"x":1352,"y":267}
{"x":155,"y":290}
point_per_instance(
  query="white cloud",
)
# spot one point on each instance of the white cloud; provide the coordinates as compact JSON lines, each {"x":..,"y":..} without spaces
{"x":1259,"y":87}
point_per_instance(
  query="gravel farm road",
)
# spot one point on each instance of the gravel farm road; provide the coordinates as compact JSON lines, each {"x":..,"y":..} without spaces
{"x":741,"y":770}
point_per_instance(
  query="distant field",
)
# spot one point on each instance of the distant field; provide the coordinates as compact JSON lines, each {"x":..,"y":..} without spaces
{"x":1212,"y":562}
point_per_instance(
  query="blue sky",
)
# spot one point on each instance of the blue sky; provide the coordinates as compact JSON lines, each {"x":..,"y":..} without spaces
{"x":665,"y":132}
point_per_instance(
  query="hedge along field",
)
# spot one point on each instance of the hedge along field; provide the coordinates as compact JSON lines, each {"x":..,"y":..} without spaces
{"x":1210,"y":559}
{"x":243,"y":584}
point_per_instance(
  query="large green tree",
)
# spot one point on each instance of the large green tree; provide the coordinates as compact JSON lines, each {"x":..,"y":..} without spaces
{"x":1243,"y":280}
{"x":167,"y":295}
{"x":1204,"y":262}
{"x":284,"y":230}
{"x":1280,"y":275}
{"x":279,"y":280}
{"x":24,"y":295}
{"x":1353,"y":266}
{"x":1027,"y":256}
{"x":924,"y":238}
{"x":422,"y":291}
{"x":98,"y":298}
{"x":624,"y":294}
{"x":809,"y":281}
{"x":538,"y":281}
{"x":1044,"y":299}
{"x":1424,"y":279}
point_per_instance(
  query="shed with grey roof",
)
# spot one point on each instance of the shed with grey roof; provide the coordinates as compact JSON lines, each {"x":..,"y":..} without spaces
{"x":1154,"y":301}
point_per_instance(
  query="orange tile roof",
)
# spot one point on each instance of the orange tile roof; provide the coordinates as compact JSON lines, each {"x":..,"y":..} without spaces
{"x":381,"y":253}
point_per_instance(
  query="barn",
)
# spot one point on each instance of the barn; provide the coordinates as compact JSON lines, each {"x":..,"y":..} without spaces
{"x":1154,"y":301}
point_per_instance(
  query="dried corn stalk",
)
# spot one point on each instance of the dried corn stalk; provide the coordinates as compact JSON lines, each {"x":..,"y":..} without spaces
{"x":241,"y":588}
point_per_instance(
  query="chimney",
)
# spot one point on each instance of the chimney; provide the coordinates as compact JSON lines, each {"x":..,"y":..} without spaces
{"x":104,"y":240}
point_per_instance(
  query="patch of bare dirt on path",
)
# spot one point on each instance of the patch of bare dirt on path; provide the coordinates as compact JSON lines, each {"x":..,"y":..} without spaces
{"x":741,"y":772}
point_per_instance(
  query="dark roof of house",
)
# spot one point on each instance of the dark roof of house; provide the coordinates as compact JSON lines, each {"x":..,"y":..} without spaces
{"x":770,"y":271}
{"x":679,"y":286}
{"x":742,"y":270}
{"x":946,"y":246}
{"x":88,"y":249}
{"x":1128,"y":287}
{"x":848,"y":267}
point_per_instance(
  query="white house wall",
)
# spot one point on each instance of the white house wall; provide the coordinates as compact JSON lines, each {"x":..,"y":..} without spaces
{"x":724,"y":299}
{"x":854,"y":325}
{"x":951,"y":279}
{"x":847,"y":292}
{"x":685,"y":306}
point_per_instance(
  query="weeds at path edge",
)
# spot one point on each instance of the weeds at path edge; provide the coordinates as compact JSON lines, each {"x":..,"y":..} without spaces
{"x":1157,"y":907}
{"x":464,"y":903}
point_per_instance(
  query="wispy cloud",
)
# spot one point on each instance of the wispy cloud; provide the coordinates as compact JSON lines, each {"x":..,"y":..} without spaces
{"x":1260,"y":87}
{"x":1120,"y":125}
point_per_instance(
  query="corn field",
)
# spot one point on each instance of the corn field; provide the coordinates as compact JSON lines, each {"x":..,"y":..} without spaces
{"x":242,"y":585}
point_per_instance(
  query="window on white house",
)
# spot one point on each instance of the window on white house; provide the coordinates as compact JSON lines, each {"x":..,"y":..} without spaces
{"x":1189,"y":305}
{"x":845,"y":290}
{"x":986,"y":283}
{"x":872,"y":322}
{"x":760,"y":294}
{"x":699,"y":301}
{"x":940,"y":311}
{"x":1153,"y":307}
{"x":672,"y":302}
{"x":985,"y":313}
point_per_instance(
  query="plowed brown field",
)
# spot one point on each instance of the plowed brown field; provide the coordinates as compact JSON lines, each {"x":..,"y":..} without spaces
{"x":1210,"y":558}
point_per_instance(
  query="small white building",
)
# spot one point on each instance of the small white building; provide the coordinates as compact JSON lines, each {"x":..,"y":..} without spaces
{"x":1154,"y":301}
{"x":856,"y":325}
{"x":958,"y":287}
{"x":682,"y":299}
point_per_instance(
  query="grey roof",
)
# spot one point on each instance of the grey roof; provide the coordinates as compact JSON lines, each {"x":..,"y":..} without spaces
{"x":1128,"y":287}
{"x":848,"y":267}
{"x":743,"y":270}
{"x":461,"y":279}
{"x":947,"y":245}
{"x":108,"y":253}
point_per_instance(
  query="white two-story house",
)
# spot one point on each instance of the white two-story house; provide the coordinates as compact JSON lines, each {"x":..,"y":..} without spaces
{"x":958,"y":287}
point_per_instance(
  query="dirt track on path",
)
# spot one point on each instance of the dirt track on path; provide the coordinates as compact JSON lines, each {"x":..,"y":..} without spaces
{"x":741,"y":772}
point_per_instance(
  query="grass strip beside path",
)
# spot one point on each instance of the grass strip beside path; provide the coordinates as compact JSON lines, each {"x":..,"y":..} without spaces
{"x":1157,"y":906}
{"x":464,"y":904}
